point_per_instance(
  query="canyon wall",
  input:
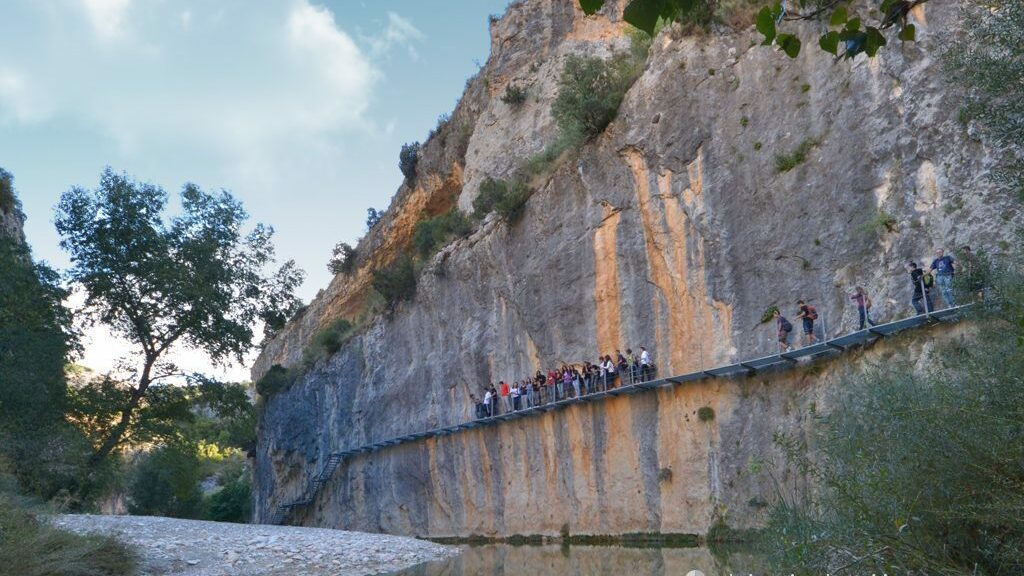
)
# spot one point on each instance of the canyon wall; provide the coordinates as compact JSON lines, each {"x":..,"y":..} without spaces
{"x":674,"y":229}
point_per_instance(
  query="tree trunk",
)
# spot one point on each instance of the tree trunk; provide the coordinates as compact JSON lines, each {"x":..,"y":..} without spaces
{"x":121,"y":427}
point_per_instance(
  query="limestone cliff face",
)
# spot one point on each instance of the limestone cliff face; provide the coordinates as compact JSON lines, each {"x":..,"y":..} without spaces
{"x":673,"y":230}
{"x":12,"y":224}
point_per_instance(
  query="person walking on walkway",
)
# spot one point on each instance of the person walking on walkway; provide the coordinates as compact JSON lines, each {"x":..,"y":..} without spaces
{"x":576,"y":381}
{"x":505,"y":398}
{"x":921,"y":295}
{"x":489,"y":402}
{"x":943,"y":268}
{"x":784,"y":328}
{"x":808,"y":315}
{"x":646,"y":366}
{"x":863,"y":303}
{"x":514,"y":396}
{"x":609,"y":370}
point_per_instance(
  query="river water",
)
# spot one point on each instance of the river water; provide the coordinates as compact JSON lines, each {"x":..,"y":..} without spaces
{"x":508,"y":560}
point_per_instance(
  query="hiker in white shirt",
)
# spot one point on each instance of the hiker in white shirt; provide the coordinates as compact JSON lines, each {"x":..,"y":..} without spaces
{"x":646,"y":370}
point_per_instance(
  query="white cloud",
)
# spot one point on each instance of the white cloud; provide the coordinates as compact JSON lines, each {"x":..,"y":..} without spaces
{"x":399,"y":32}
{"x":186,"y":19}
{"x":107,"y":17}
{"x":18,"y":103}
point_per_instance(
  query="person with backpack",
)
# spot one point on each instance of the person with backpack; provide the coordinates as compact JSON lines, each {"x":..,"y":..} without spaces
{"x":860,"y":298}
{"x":943,"y":269}
{"x":506,"y":400}
{"x":488,"y":402}
{"x":808,"y":315}
{"x":921,"y":286}
{"x":784,"y":328}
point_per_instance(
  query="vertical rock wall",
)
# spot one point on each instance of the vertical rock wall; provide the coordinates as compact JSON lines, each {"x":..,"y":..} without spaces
{"x":675,"y":229}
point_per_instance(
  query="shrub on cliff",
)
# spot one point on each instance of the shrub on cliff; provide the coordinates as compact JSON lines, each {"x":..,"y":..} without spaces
{"x":330,"y":339}
{"x":277,"y":379}
{"x":506,"y":198}
{"x":343,"y":259}
{"x":397,"y":281}
{"x":408,"y":159}
{"x":514,"y":95}
{"x":433,"y":233}
{"x":590,"y":91}
{"x":919,"y":467}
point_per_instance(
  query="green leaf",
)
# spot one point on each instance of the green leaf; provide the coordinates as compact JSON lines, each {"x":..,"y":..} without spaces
{"x":853,"y":24}
{"x":789,"y":44}
{"x":885,"y":6}
{"x":766,"y":25}
{"x":591,"y":6}
{"x":874,"y":41}
{"x":909,"y":33}
{"x":839,"y":17}
{"x":830,"y":42}
{"x":644,"y":14}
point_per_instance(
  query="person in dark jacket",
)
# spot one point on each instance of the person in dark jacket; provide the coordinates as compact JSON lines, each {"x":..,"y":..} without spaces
{"x":921,"y":294}
{"x":784,"y":328}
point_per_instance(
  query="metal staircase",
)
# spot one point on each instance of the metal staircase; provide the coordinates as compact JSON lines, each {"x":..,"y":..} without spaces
{"x":825,"y":348}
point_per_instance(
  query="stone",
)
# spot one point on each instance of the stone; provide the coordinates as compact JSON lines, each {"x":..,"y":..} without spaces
{"x":674,"y":234}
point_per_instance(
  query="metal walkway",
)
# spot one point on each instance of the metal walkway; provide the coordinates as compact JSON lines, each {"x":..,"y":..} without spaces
{"x":827,"y":347}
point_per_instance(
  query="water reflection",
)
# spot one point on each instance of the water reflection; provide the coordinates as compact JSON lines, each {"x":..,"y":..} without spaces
{"x":504,"y":560}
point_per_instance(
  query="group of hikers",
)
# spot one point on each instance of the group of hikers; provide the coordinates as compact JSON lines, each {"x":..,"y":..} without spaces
{"x":939,"y":274}
{"x":569,"y":381}
{"x":573,"y":381}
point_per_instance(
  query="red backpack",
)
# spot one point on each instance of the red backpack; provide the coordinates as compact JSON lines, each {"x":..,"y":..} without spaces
{"x":811,"y":312}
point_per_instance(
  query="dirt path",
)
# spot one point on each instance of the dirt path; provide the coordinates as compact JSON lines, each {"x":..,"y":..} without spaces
{"x":171,"y":547}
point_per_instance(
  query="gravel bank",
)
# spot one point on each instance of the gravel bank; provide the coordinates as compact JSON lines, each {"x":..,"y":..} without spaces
{"x":174,"y":547}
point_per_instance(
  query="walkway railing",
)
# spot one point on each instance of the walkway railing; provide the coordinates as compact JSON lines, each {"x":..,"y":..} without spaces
{"x":833,"y":346}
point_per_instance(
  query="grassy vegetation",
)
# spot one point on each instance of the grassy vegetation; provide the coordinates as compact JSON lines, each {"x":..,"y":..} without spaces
{"x":591,"y":89}
{"x":329,"y":339}
{"x":785,"y":162}
{"x":881,"y":222}
{"x":433,"y":233}
{"x":31,"y":547}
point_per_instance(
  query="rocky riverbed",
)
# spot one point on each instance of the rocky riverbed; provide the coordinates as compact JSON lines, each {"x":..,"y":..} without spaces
{"x":172,"y":547}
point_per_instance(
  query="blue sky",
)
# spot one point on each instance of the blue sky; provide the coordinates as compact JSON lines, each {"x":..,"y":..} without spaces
{"x":299,"y":107}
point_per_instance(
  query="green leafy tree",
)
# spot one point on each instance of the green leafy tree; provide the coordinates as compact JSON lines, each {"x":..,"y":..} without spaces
{"x":396,"y":282}
{"x":165,"y":482}
{"x":195,"y":280}
{"x":848,"y":36}
{"x":343,"y":259}
{"x":37,"y":446}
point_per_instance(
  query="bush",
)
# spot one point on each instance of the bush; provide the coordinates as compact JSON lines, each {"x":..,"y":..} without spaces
{"x":166,"y":483}
{"x":397,"y":281}
{"x":590,"y":91}
{"x":408,"y":158}
{"x":514,"y":95}
{"x":918,"y":468}
{"x":706,"y":414}
{"x":373,"y":217}
{"x":433,"y":233}
{"x":786,"y":162}
{"x":507,"y":199}
{"x":277,"y":379}
{"x":32,"y":547}
{"x":233,"y":502}
{"x":343,"y":259}
{"x":332,"y":337}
